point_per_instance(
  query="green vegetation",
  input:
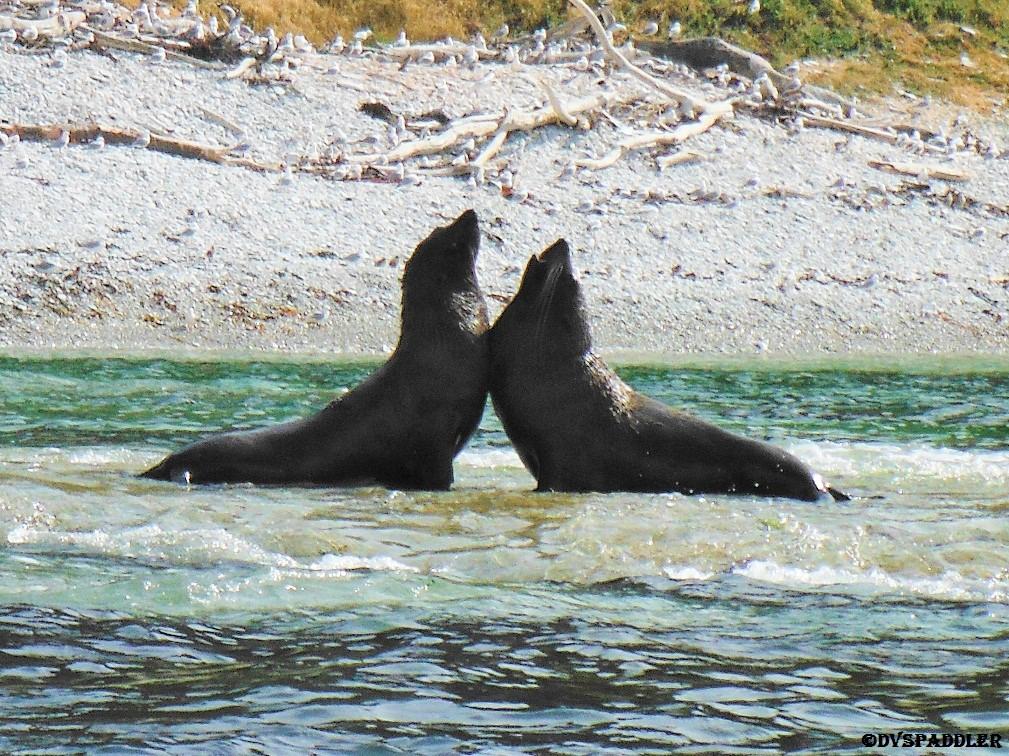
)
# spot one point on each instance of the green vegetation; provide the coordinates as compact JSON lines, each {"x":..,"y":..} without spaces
{"x":872,"y":44}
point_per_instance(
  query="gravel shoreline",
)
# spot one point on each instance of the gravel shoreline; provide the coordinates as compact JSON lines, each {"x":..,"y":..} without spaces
{"x":779,"y":241}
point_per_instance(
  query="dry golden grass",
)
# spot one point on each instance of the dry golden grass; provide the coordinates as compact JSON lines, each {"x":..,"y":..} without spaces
{"x":875,"y":44}
{"x":925,"y":64}
{"x":423,"y":20}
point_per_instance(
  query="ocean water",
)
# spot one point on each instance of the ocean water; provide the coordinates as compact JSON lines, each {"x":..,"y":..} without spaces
{"x":147,"y":617}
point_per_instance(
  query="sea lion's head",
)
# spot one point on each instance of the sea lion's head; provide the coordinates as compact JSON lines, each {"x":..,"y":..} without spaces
{"x":547,"y":314}
{"x":439,"y":281}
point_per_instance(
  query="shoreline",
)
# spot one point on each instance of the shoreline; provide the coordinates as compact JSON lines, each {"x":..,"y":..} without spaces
{"x":776,"y":241}
{"x":881,"y":363}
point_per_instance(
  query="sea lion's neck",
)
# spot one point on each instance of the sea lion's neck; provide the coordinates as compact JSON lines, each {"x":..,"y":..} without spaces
{"x":617,"y":394}
{"x":427,"y":323}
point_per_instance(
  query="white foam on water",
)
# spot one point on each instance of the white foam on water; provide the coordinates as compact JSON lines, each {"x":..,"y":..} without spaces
{"x":917,"y":462}
{"x":55,"y":457}
{"x":203,"y":546}
{"x":950,"y":585}
{"x":106,"y":456}
{"x":347,"y":562}
{"x":686,"y":573}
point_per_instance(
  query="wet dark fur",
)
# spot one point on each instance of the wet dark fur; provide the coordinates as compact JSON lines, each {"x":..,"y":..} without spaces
{"x":405,"y":423}
{"x":578,"y":427}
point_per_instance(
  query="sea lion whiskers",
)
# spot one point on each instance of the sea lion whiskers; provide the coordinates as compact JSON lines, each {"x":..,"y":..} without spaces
{"x":545,"y":300}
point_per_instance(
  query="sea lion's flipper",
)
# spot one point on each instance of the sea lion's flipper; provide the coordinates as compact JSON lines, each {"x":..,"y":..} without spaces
{"x":160,"y":471}
{"x":838,"y":495}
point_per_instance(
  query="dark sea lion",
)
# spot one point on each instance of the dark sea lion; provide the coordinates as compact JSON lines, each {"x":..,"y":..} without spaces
{"x":578,"y":427}
{"x":405,"y":423}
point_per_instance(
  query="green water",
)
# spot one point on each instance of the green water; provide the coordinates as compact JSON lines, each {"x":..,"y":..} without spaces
{"x":148,"y":616}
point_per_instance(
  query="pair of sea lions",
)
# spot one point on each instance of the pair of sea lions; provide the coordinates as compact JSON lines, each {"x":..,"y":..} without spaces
{"x":575,"y":424}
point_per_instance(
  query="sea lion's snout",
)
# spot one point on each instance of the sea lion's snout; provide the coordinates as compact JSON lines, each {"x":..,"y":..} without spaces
{"x":467,"y":220}
{"x":558,"y":253}
{"x":466,"y":231}
{"x":460,"y":241}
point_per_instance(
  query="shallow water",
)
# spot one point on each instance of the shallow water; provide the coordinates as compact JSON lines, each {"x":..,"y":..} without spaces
{"x":144,"y":615}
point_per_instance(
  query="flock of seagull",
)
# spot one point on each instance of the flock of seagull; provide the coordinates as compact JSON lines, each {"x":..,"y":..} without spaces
{"x":230,"y":36}
{"x":58,"y":26}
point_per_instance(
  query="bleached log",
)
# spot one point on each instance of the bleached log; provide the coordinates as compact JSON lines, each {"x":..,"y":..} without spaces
{"x":246,"y":65}
{"x":679,"y":158}
{"x":134,"y":45}
{"x":220,"y":120}
{"x":853,"y":128}
{"x":133,"y":138}
{"x":673,"y":93}
{"x":477,"y":129}
{"x":492,"y":147}
{"x":919,"y":170}
{"x":827,"y":107}
{"x":54,"y":26}
{"x":557,"y":105}
{"x":652,"y":139}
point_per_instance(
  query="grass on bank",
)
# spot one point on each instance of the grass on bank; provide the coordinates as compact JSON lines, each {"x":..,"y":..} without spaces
{"x":873,"y":44}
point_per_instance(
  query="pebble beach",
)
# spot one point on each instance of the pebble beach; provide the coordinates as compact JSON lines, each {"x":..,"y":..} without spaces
{"x":773,"y":238}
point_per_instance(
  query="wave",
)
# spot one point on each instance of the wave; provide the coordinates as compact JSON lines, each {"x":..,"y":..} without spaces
{"x":193,"y":548}
{"x":950,"y":586}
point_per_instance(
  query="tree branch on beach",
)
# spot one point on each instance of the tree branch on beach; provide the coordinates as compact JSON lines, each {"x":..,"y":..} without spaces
{"x":810,"y":119}
{"x":110,"y":41}
{"x":555,"y":111}
{"x":653,"y":139}
{"x":917,"y":170}
{"x":496,"y":127}
{"x":55,"y":26}
{"x":703,"y":53}
{"x":678,"y":95}
{"x":92,"y":133}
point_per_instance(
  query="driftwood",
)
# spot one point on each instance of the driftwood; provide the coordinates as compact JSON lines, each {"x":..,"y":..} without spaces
{"x":220,"y":120}
{"x":244,"y":66}
{"x":109,"y":41}
{"x":484,"y":127}
{"x":681,"y":157}
{"x":655,"y":139}
{"x":54,"y":26}
{"x":563,"y":114}
{"x":135,"y":138}
{"x":919,"y":171}
{"x":703,"y":53}
{"x":671,"y":92}
{"x":854,"y":128}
